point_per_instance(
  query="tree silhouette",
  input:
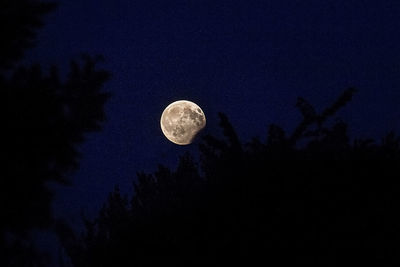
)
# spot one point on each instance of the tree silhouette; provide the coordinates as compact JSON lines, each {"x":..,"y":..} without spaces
{"x":19,"y":21}
{"x":46,"y":118}
{"x":327,"y":203}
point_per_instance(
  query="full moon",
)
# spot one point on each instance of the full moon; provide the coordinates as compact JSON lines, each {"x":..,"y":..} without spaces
{"x":181,"y":121}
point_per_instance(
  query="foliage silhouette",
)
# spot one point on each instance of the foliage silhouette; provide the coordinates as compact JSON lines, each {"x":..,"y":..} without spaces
{"x":271,"y":202}
{"x":47,"y":117}
{"x":19,"y":21}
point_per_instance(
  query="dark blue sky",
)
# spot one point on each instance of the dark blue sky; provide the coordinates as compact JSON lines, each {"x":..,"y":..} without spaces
{"x":249,"y":59}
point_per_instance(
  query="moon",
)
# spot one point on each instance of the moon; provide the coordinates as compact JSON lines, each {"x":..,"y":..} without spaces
{"x":181,"y":121}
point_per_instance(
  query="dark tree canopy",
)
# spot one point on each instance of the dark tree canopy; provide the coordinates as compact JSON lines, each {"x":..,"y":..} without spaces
{"x":46,"y":118}
{"x":325,"y":203}
{"x":19,"y":21}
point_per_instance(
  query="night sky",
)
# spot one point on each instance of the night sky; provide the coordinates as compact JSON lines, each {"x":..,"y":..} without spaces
{"x":248,"y":59}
